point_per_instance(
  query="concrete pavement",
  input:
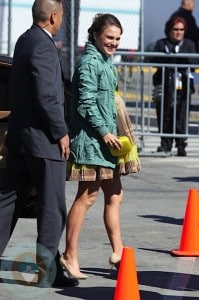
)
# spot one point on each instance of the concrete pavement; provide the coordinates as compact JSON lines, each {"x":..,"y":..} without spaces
{"x":151,"y":219}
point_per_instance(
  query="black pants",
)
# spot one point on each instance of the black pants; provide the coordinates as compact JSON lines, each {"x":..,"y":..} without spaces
{"x":48,"y":178}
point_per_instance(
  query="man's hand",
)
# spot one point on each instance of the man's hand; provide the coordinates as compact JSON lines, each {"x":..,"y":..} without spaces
{"x":64,"y":143}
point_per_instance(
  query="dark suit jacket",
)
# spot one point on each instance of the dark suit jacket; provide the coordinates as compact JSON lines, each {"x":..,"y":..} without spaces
{"x":165,"y":46}
{"x":37,"y":97}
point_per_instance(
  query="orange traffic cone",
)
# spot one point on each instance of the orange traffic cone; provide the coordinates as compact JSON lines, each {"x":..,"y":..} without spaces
{"x":189,"y":244}
{"x":127,"y":283}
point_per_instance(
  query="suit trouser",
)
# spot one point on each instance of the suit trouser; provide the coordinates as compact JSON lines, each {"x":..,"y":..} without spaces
{"x":48,"y":178}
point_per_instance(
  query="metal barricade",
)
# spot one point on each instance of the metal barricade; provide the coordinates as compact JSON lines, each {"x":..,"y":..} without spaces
{"x":136,"y":87}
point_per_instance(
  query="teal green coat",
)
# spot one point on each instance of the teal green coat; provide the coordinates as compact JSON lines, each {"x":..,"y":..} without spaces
{"x":92,"y":110}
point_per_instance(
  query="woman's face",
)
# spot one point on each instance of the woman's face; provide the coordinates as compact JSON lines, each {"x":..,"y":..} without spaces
{"x":177,"y":32}
{"x":108,"y":41}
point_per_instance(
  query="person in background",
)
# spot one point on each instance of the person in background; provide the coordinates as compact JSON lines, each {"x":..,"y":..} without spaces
{"x":174,"y":42}
{"x":185,"y":11}
{"x":37,"y":141}
{"x":93,"y":129}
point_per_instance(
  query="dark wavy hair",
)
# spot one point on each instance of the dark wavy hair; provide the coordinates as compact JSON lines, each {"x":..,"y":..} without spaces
{"x":100,"y":22}
{"x":171,"y":22}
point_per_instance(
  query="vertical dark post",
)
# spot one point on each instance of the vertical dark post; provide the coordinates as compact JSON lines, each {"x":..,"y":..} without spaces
{"x":9,"y":26}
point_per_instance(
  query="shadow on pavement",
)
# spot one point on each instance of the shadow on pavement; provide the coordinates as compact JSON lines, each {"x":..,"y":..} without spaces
{"x":167,"y":281}
{"x":89,"y":293}
{"x":163,"y":219}
{"x":155,"y":250}
{"x":147,"y":295}
{"x":187,"y":179}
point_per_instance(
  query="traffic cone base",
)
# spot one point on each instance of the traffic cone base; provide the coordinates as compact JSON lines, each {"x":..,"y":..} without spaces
{"x":189,"y":244}
{"x":184,"y":253}
{"x":127,"y":283}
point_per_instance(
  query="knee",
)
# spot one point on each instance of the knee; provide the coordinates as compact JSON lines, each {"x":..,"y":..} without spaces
{"x":120,"y":197}
{"x":87,"y":193}
{"x":115,"y":199}
{"x":87,"y":202}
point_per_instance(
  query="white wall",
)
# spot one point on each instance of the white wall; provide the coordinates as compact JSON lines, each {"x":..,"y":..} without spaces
{"x":156,"y":13}
{"x":125,"y":10}
{"x":21,"y":20}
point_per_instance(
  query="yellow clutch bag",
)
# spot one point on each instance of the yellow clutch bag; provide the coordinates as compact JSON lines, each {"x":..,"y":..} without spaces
{"x":126,"y":147}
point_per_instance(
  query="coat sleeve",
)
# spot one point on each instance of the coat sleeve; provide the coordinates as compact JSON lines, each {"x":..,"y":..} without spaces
{"x":49,"y":89}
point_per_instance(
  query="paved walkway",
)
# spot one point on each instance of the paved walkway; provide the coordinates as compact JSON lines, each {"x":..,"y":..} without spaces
{"x":151,"y":218}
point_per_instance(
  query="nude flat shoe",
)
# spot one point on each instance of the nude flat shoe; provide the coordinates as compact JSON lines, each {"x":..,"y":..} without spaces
{"x":71,"y":274}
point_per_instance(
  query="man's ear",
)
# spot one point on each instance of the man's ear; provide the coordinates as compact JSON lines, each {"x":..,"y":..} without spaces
{"x":53,"y":17}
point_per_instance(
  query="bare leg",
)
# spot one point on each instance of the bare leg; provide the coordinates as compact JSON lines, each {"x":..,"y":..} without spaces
{"x":86,"y":195}
{"x":113,"y":194}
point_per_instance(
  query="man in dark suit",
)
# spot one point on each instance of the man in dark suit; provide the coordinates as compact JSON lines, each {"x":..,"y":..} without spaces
{"x":37,"y":141}
{"x":185,"y":11}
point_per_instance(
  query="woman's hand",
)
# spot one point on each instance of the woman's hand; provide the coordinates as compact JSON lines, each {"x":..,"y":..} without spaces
{"x":112,"y":141}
